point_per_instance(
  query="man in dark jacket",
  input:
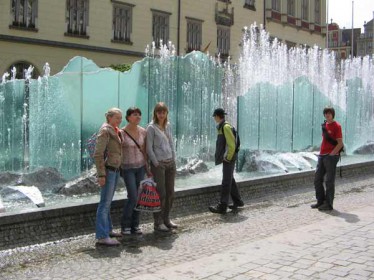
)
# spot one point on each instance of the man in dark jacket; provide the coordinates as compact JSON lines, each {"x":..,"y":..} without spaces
{"x":226,"y":154}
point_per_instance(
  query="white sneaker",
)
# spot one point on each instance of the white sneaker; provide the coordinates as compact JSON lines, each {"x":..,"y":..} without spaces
{"x":126,"y":231}
{"x":108,"y":242}
{"x":162,"y":227}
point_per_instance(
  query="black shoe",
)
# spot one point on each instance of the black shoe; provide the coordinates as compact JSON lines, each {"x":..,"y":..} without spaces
{"x":315,"y":206}
{"x":236,"y":205}
{"x":325,"y":207}
{"x":219,"y":209}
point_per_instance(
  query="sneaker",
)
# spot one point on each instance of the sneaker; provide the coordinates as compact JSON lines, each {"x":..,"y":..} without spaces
{"x":115,"y":234}
{"x":236,"y":205}
{"x":219,"y":209}
{"x":162,"y":228}
{"x":126,"y":231}
{"x":136,"y":230}
{"x":316,"y":205}
{"x":325,"y":207}
{"x":108,"y":242}
{"x":170,"y":224}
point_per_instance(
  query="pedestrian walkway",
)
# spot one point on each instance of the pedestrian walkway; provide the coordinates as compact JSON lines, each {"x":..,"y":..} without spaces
{"x":341,"y":246}
{"x":271,"y":238}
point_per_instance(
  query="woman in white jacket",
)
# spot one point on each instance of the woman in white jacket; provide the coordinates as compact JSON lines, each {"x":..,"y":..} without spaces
{"x":161,"y":153}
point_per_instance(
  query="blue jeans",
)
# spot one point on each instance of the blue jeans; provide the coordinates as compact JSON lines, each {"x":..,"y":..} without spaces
{"x":103,"y":220}
{"x":132,"y":178}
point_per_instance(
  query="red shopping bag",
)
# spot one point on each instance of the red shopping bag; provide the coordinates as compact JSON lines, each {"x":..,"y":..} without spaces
{"x":148,"y":197}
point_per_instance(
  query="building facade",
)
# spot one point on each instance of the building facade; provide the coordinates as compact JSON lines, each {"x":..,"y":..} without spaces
{"x":297,"y":22}
{"x":33,"y":32}
{"x":365,"y":43}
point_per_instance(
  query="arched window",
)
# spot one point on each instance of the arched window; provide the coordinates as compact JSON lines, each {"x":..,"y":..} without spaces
{"x":21,"y":67}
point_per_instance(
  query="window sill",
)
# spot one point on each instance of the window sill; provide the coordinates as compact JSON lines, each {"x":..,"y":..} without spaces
{"x":122,"y":42}
{"x":31,"y":29}
{"x":76,"y":35}
{"x":250,"y":7}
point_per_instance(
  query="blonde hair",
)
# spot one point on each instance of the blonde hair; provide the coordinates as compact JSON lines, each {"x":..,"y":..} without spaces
{"x":111,"y":112}
{"x":160,"y":106}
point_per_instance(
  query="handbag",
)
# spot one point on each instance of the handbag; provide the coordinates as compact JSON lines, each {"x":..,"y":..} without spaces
{"x":148,"y":197}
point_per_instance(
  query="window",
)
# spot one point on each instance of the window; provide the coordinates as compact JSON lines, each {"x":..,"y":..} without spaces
{"x":24,"y":13}
{"x":317,"y":11}
{"x":250,"y":4}
{"x":305,"y":10}
{"x":275,"y":5}
{"x":291,"y":7}
{"x":194,"y":34}
{"x":21,"y":69}
{"x":223,"y":40}
{"x":77,"y":17}
{"x":122,"y":22}
{"x":160,"y":27}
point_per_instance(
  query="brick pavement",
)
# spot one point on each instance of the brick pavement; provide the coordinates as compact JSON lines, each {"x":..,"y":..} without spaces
{"x":272,"y":238}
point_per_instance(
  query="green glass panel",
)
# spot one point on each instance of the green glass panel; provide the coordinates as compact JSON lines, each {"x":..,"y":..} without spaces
{"x":303,"y":114}
{"x":97,"y":98}
{"x":12,"y":125}
{"x":133,"y":90}
{"x":249,"y":114}
{"x":356,"y":125}
{"x":284,"y":117}
{"x":55,"y":139}
{"x":268,"y":117}
{"x":80,"y":64}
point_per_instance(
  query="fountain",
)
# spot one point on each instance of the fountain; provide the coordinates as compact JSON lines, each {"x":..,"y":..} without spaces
{"x":31,"y":192}
{"x":274,"y":96}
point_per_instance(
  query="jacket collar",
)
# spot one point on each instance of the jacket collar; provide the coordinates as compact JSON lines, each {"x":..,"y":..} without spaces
{"x":111,"y":131}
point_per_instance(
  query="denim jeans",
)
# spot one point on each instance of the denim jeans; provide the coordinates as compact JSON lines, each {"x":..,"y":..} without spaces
{"x":326,"y":166}
{"x":164,"y":176}
{"x":103,"y":220}
{"x":132,"y":178}
{"x":229,"y":186}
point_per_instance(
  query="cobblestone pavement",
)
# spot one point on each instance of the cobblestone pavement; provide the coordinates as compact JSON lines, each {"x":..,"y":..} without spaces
{"x":275,"y":237}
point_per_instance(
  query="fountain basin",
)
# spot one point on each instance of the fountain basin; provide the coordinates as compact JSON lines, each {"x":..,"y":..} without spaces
{"x":72,"y":219}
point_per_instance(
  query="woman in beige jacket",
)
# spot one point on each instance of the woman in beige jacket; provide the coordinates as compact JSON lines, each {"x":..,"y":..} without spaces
{"x":108,"y":155}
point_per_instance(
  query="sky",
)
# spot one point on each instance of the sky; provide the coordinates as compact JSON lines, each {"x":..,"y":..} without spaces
{"x":340,"y":11}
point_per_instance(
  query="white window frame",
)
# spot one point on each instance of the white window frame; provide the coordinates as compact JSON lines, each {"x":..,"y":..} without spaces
{"x":160,"y":27}
{"x":24,"y":13}
{"x":223,"y":40}
{"x":77,"y":14}
{"x":122,"y":22}
{"x":194,"y":34}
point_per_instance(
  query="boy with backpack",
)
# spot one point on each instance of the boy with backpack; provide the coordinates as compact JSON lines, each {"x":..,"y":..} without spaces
{"x":332,"y":145}
{"x":227,"y":147}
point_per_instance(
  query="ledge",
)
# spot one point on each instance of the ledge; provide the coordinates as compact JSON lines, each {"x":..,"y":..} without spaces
{"x":54,"y":223}
{"x":23,"y":28}
{"x":49,"y":43}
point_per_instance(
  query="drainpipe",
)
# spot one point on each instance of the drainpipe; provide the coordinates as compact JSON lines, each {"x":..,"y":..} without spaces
{"x":264,"y":15}
{"x":178,"y":26}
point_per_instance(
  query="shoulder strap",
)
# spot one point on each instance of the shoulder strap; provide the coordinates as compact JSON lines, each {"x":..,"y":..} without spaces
{"x":327,"y":136}
{"x":133,"y":140}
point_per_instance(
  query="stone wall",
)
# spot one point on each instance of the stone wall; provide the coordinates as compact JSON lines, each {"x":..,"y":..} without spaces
{"x":55,"y":223}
